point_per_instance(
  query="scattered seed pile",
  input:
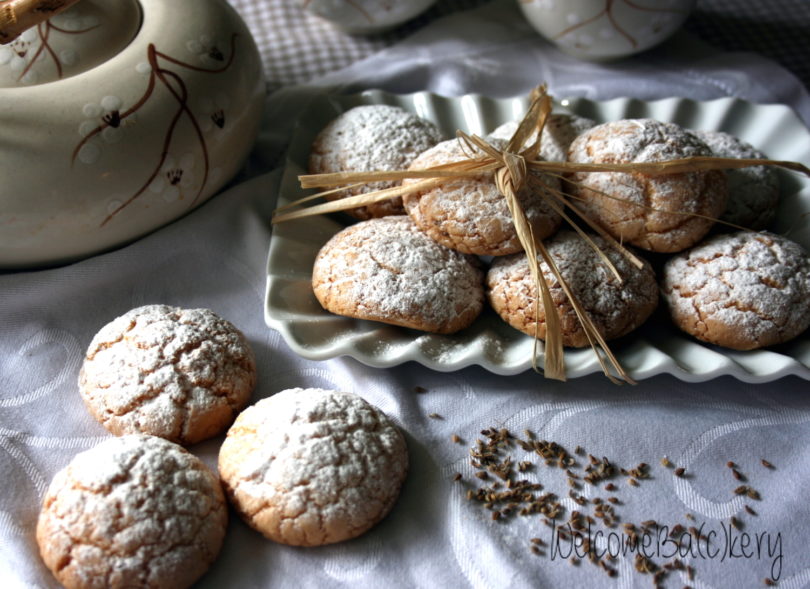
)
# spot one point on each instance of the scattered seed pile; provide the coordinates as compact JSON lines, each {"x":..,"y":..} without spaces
{"x":499,"y":486}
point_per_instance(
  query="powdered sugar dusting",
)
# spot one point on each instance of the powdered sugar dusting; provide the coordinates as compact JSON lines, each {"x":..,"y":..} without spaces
{"x":615,"y":307}
{"x":181,"y":374}
{"x":470,"y":214}
{"x":753,"y":192}
{"x":371,"y":138}
{"x":744,"y":290}
{"x":135,"y":511}
{"x":637,"y":208}
{"x":560,"y":130}
{"x":387,"y":270}
{"x":310,"y":466}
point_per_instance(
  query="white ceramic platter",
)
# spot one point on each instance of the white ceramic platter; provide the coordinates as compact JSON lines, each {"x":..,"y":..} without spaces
{"x":656,"y":348}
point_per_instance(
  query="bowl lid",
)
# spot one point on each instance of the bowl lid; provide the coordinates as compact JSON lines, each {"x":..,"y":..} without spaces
{"x":69,"y":43}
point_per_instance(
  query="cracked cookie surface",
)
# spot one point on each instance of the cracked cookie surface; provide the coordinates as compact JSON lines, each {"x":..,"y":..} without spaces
{"x":753,"y":192}
{"x":181,"y":374}
{"x":388,"y":270}
{"x":665,"y":213}
{"x":134,"y":511}
{"x":308,"y":467}
{"x":615,"y":308}
{"x":743,"y":291}
{"x":560,"y":131}
{"x":470,"y":214}
{"x":371,"y":138}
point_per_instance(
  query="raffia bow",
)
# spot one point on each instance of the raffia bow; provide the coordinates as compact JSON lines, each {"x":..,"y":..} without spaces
{"x":512,"y":167}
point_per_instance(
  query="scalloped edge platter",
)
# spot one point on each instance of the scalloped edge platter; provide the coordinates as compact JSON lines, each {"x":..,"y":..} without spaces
{"x":656,"y":348}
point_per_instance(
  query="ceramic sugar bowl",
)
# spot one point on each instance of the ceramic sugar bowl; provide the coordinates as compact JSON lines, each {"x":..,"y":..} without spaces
{"x":601,"y":30}
{"x":117,"y":117}
{"x":365,"y":17}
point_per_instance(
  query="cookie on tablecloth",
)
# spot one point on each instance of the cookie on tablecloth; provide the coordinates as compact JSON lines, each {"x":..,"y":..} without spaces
{"x":181,"y":374}
{"x":387,"y":270}
{"x":753,"y":192}
{"x":616,"y":308}
{"x":470,"y":214}
{"x":372,"y":138}
{"x":743,"y":290}
{"x":665,"y":213}
{"x":134,"y":511}
{"x":308,"y":467}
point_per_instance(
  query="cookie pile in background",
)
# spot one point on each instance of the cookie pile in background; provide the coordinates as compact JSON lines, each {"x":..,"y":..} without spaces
{"x":304,"y":467}
{"x":724,"y":279}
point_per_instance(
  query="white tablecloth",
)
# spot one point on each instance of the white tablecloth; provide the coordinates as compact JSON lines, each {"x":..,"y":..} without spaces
{"x":215,"y":258}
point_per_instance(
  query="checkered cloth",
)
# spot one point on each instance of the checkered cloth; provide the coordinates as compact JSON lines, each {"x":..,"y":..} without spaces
{"x":778,"y":29}
{"x":297,"y":46}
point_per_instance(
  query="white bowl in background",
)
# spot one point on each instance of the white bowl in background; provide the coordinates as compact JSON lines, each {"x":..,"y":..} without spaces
{"x":601,"y":30}
{"x":69,"y":43}
{"x":364,"y":17}
{"x":133,"y":133}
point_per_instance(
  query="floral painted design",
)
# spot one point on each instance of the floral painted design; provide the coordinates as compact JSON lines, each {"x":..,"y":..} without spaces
{"x":612,"y":24}
{"x":214,"y":112}
{"x":174,"y":176}
{"x":207,"y":50}
{"x":108,"y":109}
{"x":35,"y":45}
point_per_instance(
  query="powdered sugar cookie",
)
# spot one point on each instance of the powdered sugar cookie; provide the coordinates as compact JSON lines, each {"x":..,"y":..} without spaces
{"x":387,"y":270}
{"x":615,"y":308}
{"x":135,"y":511}
{"x":470,"y":214}
{"x":743,"y":290}
{"x":371,"y":138}
{"x":308,"y":467}
{"x":560,"y":130}
{"x":753,"y":192}
{"x":659,"y":213}
{"x":181,"y":374}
